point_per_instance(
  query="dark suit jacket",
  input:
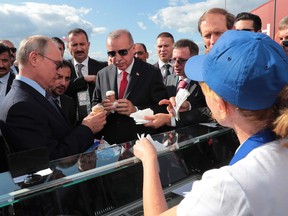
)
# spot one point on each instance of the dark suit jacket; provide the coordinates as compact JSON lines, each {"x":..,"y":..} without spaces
{"x":199,"y":112}
{"x":3,"y":148}
{"x":145,"y":90}
{"x":68,"y":106}
{"x":156,"y":64}
{"x":9,"y":83}
{"x":30,"y":121}
{"x":79,"y":84}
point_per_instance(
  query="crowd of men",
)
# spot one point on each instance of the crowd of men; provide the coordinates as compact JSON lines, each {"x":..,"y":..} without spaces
{"x":47,"y":101}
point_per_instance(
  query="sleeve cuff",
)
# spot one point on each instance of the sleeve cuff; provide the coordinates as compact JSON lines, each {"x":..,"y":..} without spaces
{"x":173,"y":121}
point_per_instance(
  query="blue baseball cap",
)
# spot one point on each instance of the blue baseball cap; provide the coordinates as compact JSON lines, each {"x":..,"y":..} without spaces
{"x":246,"y":69}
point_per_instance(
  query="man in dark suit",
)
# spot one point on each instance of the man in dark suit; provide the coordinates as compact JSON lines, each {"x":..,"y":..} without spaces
{"x":30,"y":120}
{"x":198,"y":112}
{"x":6,"y":79}
{"x":13,"y":51}
{"x":164,"y":46}
{"x":143,"y":84}
{"x":58,"y":92}
{"x":83,"y":76}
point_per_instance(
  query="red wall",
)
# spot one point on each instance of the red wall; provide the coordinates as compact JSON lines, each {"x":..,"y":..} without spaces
{"x":266,"y":13}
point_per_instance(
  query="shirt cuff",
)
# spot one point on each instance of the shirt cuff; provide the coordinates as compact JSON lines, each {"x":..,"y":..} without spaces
{"x":173,"y":121}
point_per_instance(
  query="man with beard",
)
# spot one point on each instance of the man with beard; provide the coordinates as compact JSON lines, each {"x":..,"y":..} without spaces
{"x":13,"y":51}
{"x":6,"y":79}
{"x":59,"y":88}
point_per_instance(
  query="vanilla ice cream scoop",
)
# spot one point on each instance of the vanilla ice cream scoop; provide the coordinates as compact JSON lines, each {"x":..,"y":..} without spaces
{"x":97,"y":109}
{"x":110,"y":95}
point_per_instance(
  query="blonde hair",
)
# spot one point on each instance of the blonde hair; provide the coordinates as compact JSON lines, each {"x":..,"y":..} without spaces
{"x":275,"y":117}
{"x":281,"y":122}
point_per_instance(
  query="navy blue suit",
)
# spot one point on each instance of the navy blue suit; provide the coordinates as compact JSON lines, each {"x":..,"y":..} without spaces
{"x":31,"y":121}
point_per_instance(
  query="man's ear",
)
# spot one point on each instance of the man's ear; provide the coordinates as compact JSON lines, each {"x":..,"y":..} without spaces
{"x":33,"y":58}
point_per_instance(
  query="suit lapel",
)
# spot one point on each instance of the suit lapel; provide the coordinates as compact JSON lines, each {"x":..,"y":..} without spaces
{"x":40,"y":99}
{"x":10,"y":80}
{"x":192,"y":86}
{"x":136,"y":73}
{"x":175,"y":80}
{"x":112,"y":80}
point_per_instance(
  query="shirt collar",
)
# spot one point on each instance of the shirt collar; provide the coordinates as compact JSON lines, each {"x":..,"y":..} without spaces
{"x":258,"y":139}
{"x":187,"y":80}
{"x":31,"y":83}
{"x":161,"y":63}
{"x":85,"y":62}
{"x":5,"y":78}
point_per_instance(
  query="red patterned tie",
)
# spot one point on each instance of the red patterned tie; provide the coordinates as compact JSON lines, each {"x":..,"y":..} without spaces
{"x":182,"y":84}
{"x":123,"y":84}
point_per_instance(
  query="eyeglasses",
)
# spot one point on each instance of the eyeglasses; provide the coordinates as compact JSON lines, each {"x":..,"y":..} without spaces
{"x":13,"y":49}
{"x":179,"y":61}
{"x":122,"y":52}
{"x":59,"y":64}
{"x":139,"y":53}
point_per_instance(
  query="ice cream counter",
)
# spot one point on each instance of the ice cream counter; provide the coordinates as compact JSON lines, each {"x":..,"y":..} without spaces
{"x":108,"y":181}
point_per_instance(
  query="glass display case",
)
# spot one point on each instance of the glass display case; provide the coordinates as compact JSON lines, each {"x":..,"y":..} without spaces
{"x":108,"y":181}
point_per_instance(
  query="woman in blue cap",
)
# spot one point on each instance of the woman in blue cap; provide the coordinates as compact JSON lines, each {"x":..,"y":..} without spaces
{"x":244,"y":79}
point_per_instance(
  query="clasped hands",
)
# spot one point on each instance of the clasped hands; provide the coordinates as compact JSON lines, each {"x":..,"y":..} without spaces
{"x":122,"y":106}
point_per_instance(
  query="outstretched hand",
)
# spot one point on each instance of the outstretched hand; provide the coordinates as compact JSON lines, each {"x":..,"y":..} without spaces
{"x":144,"y":150}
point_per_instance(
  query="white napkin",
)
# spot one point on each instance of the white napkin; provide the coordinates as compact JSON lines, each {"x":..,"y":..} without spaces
{"x":158,"y":146}
{"x":181,"y":96}
{"x":139,"y":115}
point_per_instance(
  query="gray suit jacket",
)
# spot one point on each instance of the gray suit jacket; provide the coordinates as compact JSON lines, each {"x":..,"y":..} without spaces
{"x":145,"y":90}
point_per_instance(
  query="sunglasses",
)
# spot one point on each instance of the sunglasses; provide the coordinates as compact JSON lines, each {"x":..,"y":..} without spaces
{"x":179,"y":61}
{"x":13,"y":49}
{"x":122,"y":52}
{"x":58,"y":64}
{"x":245,"y":29}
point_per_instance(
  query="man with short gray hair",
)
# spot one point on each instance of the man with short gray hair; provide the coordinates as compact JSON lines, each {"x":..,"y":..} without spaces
{"x":29,"y":119}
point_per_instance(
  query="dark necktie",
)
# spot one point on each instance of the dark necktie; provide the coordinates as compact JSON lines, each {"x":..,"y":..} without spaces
{"x":182,"y":84}
{"x":83,"y":96}
{"x":79,"y":70}
{"x":57,"y":102}
{"x":166,"y":70}
{"x":123,"y":84}
{"x":54,"y":103}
